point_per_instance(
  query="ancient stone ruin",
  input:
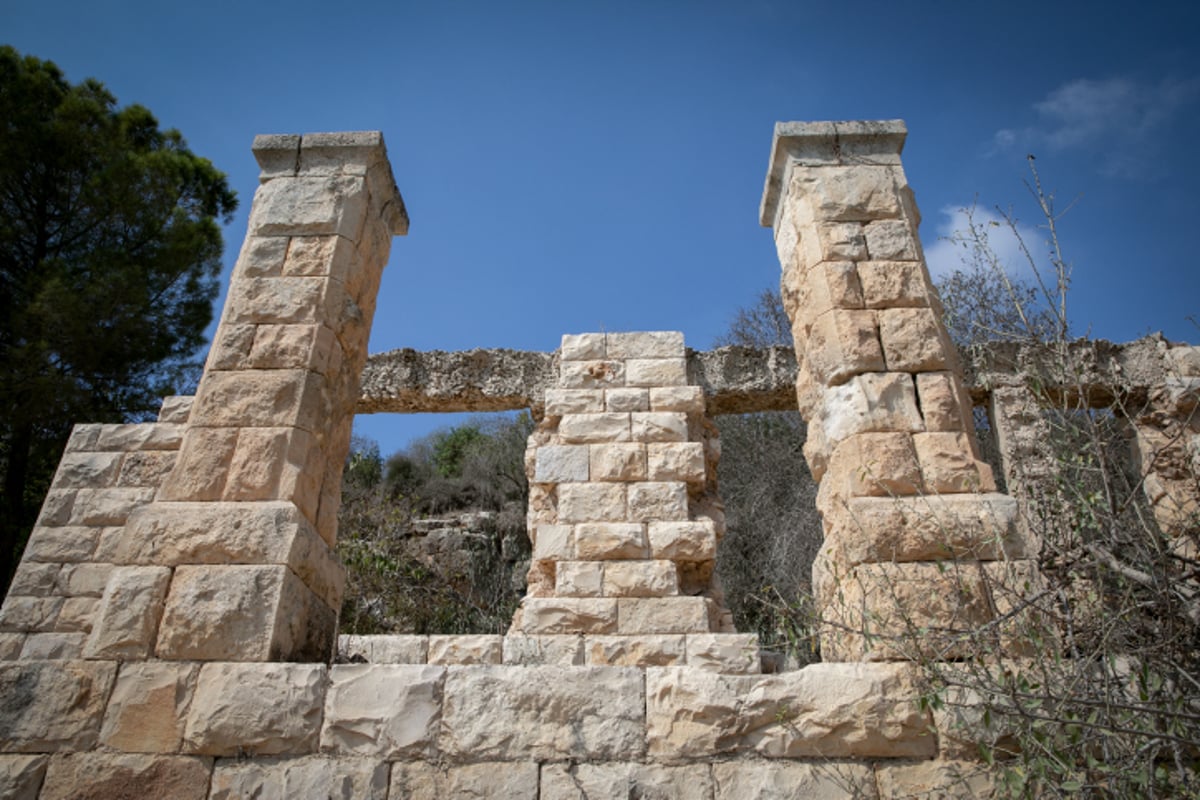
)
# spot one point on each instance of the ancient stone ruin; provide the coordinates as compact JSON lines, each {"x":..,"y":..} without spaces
{"x":172,"y":626}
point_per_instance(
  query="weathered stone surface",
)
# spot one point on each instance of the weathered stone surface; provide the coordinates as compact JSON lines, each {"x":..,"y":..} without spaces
{"x":383,"y":649}
{"x":844,"y":343}
{"x":601,"y":541}
{"x":472,"y":380}
{"x":676,"y":461}
{"x":382,"y":710}
{"x":949,"y":463}
{"x":694,"y":540}
{"x":10,"y":646}
{"x":591,"y":502}
{"x":662,"y":615}
{"x":563,"y":650}
{"x":126,"y":623}
{"x":148,"y":707}
{"x":658,"y":426}
{"x":849,"y":193}
{"x":873,"y":464}
{"x":255,"y":709}
{"x":648,"y":650}
{"x":561,"y":463}
{"x":942,"y":779}
{"x":486,"y":781}
{"x":583,"y":346}
{"x":644,"y":344}
{"x":872,"y":402}
{"x":147,"y":468}
{"x":944,"y":404}
{"x":914,"y":340}
{"x":823,"y":710}
{"x":887,"y":239}
{"x":640,"y":578}
{"x":594,"y":428}
{"x":623,"y":781}
{"x":175,"y":408}
{"x":53,"y":645}
{"x":591,"y":374}
{"x":550,"y":615}
{"x":21,"y":776}
{"x":117,"y":776}
{"x":466,"y":649}
{"x":615,"y":462}
{"x":107,"y":506}
{"x":35,"y":579}
{"x":304,"y":778}
{"x":20,"y":613}
{"x":656,"y":372}
{"x":767,"y":780}
{"x":309,"y":207}
{"x":48,"y":706}
{"x":658,"y":500}
{"x":554,"y":542}
{"x":87,"y":470}
{"x":61,"y":544}
{"x":626,"y":400}
{"x":735,"y":653}
{"x":83,"y":580}
{"x":543,"y":713}
{"x":579,"y":579}
{"x":78,"y":614}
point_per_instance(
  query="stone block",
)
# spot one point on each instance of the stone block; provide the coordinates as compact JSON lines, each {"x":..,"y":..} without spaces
{"x":203,"y":465}
{"x":914,"y":340}
{"x":146,"y":468}
{"x":382,"y":710}
{"x":87,"y":470}
{"x":694,"y":540}
{"x":78,"y":614}
{"x":659,"y":426}
{"x":140,"y":436}
{"x":645,"y":344}
{"x":616,"y":462}
{"x":383,"y":649}
{"x":500,"y":780}
{"x":891,"y":239}
{"x":784,"y":780}
{"x":52,"y":646}
{"x":658,"y":501}
{"x":551,"y":615}
{"x":231,"y":347}
{"x":127,"y":620}
{"x":871,"y":402}
{"x":83,"y":437}
{"x":99,"y":507}
{"x":640,"y":579}
{"x":686,"y":399}
{"x":561,"y":463}
{"x":656,"y":372}
{"x":574,"y":401}
{"x":843,"y":343}
{"x":466,"y":649}
{"x":269,"y":464}
{"x":118,"y":775}
{"x":851,"y":193}
{"x":554,"y":543}
{"x":149,"y":706}
{"x":620,"y":781}
{"x":175,"y":408}
{"x":564,"y":650}
{"x":821,"y":711}
{"x":261,"y":256}
{"x":543,"y":713}
{"x":949,"y":463}
{"x":662,"y":615}
{"x":21,"y":776}
{"x":647,"y":650}
{"x":10,"y":646}
{"x":35,"y":579}
{"x":65,"y":543}
{"x":579,"y":579}
{"x":256,"y":709}
{"x":311,"y":346}
{"x":591,"y":374}
{"x":303,"y":778}
{"x":675,"y":461}
{"x":598,"y":542}
{"x":583,"y":347}
{"x":944,"y":402}
{"x":895,"y":284}
{"x":312,"y":206}
{"x":735,"y":653}
{"x":84,"y":580}
{"x":263,"y":399}
{"x":594,"y":428}
{"x":939,"y":778}
{"x":873,"y":464}
{"x":50,"y":706}
{"x":619,"y":400}
{"x":326,"y":256}
{"x":591,"y":502}
{"x":29,"y":614}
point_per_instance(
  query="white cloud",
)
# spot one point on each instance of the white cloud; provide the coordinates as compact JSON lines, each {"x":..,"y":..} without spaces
{"x":1121,"y":119}
{"x":953,"y":247}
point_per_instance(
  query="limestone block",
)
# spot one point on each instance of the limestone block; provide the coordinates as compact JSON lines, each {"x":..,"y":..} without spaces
{"x":821,"y":711}
{"x":466,"y":649}
{"x":107,"y":540}
{"x":10,"y":646}
{"x":309,"y":207}
{"x":21,"y":776}
{"x":686,"y":399}
{"x":826,"y":286}
{"x":651,"y":501}
{"x":87,"y":470}
{"x":574,"y":401}
{"x":549,"y":615}
{"x":656,"y":372}
{"x":261,"y":256}
{"x":146,"y":468}
{"x":321,"y":256}
{"x":49,"y":706}
{"x":843,"y":343}
{"x":254,"y":613}
{"x":627,"y":400}
{"x":100,"y":507}
{"x":305,"y":346}
{"x":203,"y":465}
{"x":621,"y":781}
{"x":83,"y":437}
{"x":118,"y":775}
{"x":77,"y":614}
{"x":768,"y":780}
{"x":659,"y":426}
{"x":564,"y":651}
{"x":269,"y":464}
{"x":891,"y":239}
{"x":914,"y":340}
{"x":255,"y":709}
{"x":944,"y":403}
{"x":126,"y":622}
{"x":640,"y":579}
{"x":579,"y":579}
{"x":554,"y":542}
{"x":591,"y":502}
{"x":648,"y":650}
{"x":878,"y":464}
{"x":849,"y":193}
{"x":231,"y":347}
{"x":498,"y":780}
{"x":949,"y":464}
{"x":724,"y":652}
{"x":383,"y":649}
{"x":35,"y":579}
{"x":21,"y":613}
{"x":871,"y":402}
{"x":175,"y":408}
{"x":57,"y":509}
{"x":87,"y":580}
{"x":591,"y":374}
{"x":948,"y":779}
{"x":543,"y":713}
{"x":617,"y":462}
{"x":662,"y":615}
{"x":561,"y":463}
{"x":65,"y":543}
{"x":53,"y":646}
{"x":675,"y":461}
{"x":290,"y":301}
{"x":836,"y":241}
{"x":895,"y":284}
{"x":599,"y":428}
{"x":1025,"y":628}
{"x":149,"y":706}
{"x":583,"y":346}
{"x":140,"y":436}
{"x":263,"y":399}
{"x":645,"y":344}
{"x":382,"y":710}
{"x":683,"y":541}
{"x":304,"y":778}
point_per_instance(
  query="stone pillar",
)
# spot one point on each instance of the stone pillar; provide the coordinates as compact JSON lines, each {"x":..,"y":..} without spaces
{"x":245,"y":521}
{"x":910,"y":511}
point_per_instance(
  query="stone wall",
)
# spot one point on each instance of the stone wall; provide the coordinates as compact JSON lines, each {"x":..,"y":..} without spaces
{"x":171,"y":628}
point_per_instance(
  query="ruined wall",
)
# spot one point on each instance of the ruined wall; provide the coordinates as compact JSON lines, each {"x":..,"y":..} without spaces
{"x":170,"y":630}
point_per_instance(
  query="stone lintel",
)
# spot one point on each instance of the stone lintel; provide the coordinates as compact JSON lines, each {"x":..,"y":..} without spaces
{"x":827,"y":144}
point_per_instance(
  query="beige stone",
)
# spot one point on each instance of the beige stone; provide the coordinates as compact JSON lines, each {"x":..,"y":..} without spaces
{"x":543,"y":713}
{"x":891,"y":239}
{"x":304,"y":778}
{"x":941,"y":779}
{"x":686,"y":399}
{"x":116,"y":775}
{"x":149,"y":706}
{"x":383,"y":710}
{"x":620,"y":781}
{"x":83,"y":580}
{"x":255,"y":709}
{"x":579,"y":579}
{"x":383,"y":649}
{"x":99,"y":507}
{"x":466,"y":649}
{"x":640,"y":579}
{"x":914,"y":340}
{"x":662,"y":615}
{"x":87,"y":470}
{"x":553,"y":615}
{"x":147,"y":468}
{"x":127,"y":620}
{"x":656,"y":372}
{"x":53,"y":645}
{"x":203,"y":465}
{"x":50,"y":706}
{"x":948,"y":463}
{"x":139,"y":436}
{"x":21,"y":613}
{"x":262,"y":255}
{"x":598,"y":428}
{"x":724,"y":652}
{"x":65,"y":543}
{"x":554,"y":542}
{"x":871,"y":402}
{"x":583,"y":346}
{"x":791,"y":780}
{"x":675,"y":461}
{"x":944,"y":404}
{"x":659,"y":426}
{"x":175,"y":408}
{"x":10,"y":646}
{"x":562,"y":650}
{"x":895,"y":284}
{"x":83,"y":437}
{"x":879,"y":464}
{"x":500,"y":780}
{"x":562,"y":463}
{"x":844,"y":343}
{"x":21,"y":776}
{"x":262,"y":399}
{"x":851,"y":193}
{"x":683,"y":541}
{"x":646,"y":650}
{"x":821,"y":711}
{"x":77,"y":615}
{"x":320,"y":255}
{"x":309,"y":207}
{"x":644,"y":344}
{"x":626,"y":400}
{"x":591,"y":374}
{"x":617,"y":462}
{"x":658,"y":500}
{"x":35,"y":579}
{"x":591,"y":502}
{"x":574,"y":401}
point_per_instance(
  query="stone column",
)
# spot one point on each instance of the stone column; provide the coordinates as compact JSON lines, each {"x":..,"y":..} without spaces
{"x":910,"y":511}
{"x":246,"y":519}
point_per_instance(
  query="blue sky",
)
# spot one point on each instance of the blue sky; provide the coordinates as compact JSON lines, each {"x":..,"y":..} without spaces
{"x":577,"y":166}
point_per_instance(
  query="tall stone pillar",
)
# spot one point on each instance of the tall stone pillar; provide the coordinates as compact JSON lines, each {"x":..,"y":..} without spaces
{"x":244,"y":524}
{"x":913,"y":524}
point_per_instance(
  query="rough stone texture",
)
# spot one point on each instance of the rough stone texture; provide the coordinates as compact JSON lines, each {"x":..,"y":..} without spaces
{"x":623,"y":781}
{"x":735,"y":653}
{"x":388,"y":711}
{"x":257,"y":709}
{"x":305,"y":778}
{"x":486,"y":781}
{"x":49,"y":706}
{"x":651,"y":650}
{"x":21,"y":776}
{"x":826,"y":780}
{"x":383,"y":649}
{"x":565,"y":651}
{"x":148,"y":707}
{"x":128,"y":617}
{"x":947,"y":779}
{"x":105,"y":775}
{"x":543,"y":713}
